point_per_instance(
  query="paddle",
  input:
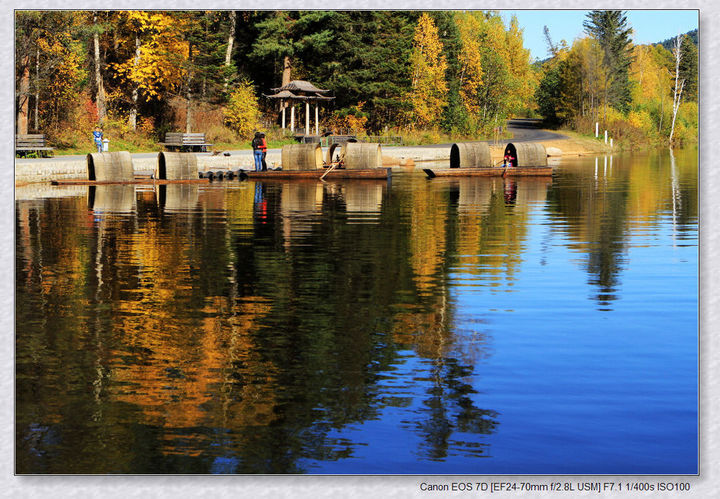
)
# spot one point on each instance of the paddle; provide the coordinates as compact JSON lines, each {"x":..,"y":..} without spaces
{"x":429,"y":173}
{"x":332,"y":167}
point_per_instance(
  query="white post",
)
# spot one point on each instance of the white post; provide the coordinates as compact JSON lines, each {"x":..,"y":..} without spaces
{"x":597,"y":130}
{"x":317,"y":127}
{"x":307,"y":118}
{"x":606,"y":136}
{"x":283,"y":115}
{"x":611,"y":143}
{"x":292,"y":118}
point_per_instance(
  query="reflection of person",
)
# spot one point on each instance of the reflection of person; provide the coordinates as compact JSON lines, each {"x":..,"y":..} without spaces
{"x":260,"y":204}
{"x":257,"y":152}
{"x":263,"y":148}
{"x":98,"y":138}
{"x":510,"y":192}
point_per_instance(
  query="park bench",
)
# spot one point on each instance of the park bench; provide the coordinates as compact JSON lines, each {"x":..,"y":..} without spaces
{"x":34,"y":142}
{"x":178,"y":141}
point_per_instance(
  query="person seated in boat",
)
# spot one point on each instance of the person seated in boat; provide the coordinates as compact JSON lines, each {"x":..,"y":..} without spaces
{"x":508,"y":160}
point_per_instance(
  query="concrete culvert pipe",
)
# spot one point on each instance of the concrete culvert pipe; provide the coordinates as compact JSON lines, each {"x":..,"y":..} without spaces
{"x":110,"y":166}
{"x":470,"y":155}
{"x":361,"y":155}
{"x":302,"y":157}
{"x":176,"y":166}
{"x":334,"y":151}
{"x":527,"y":154}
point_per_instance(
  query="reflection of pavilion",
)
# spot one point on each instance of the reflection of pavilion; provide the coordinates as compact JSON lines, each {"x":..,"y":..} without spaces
{"x":299,"y":91}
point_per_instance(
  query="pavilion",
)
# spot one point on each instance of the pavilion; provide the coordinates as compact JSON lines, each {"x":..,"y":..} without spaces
{"x":300,"y":91}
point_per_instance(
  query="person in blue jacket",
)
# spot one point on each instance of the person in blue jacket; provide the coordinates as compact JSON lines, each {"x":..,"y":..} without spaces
{"x":98,"y":138}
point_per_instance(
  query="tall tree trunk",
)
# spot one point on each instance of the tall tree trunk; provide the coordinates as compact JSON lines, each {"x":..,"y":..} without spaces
{"x":37,"y":90}
{"x":677,"y":93}
{"x":132,"y":120}
{"x":23,"y":96}
{"x":287,"y":68}
{"x":100,"y":95}
{"x":188,"y":95}
{"x":231,"y":42}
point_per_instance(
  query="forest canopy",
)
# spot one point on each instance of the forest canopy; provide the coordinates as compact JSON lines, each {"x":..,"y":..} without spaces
{"x":144,"y":73}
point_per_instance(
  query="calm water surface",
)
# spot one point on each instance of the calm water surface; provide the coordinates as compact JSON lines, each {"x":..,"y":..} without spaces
{"x":472,"y":326}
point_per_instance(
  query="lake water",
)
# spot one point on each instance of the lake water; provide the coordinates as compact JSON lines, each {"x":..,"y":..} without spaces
{"x":445,"y":326}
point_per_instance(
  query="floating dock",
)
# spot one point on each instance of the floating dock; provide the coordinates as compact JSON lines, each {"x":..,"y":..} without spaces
{"x":512,"y":171}
{"x":325,"y":173}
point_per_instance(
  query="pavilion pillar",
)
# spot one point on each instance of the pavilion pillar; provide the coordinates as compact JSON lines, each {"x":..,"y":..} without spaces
{"x":317,"y":127}
{"x":283,"y":106}
{"x":307,"y":118}
{"x":292,"y":118}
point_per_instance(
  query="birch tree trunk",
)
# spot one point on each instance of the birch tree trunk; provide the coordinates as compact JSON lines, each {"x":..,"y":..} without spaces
{"x":677,"y":93}
{"x":100,"y":95}
{"x":132,"y":120}
{"x":231,"y":42}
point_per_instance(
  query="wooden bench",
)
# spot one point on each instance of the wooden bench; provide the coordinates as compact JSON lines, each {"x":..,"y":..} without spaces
{"x":34,"y":142}
{"x":178,"y":141}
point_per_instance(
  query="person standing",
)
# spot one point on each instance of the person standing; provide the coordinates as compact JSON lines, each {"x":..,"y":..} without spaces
{"x":98,"y":138}
{"x":263,"y":148}
{"x":257,"y":152}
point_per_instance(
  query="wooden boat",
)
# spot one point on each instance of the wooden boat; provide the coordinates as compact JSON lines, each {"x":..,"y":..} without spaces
{"x":325,"y":173}
{"x":519,"y":171}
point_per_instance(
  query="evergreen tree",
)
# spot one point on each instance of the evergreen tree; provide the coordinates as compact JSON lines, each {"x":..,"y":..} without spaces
{"x":610,"y":28}
{"x":689,"y":68}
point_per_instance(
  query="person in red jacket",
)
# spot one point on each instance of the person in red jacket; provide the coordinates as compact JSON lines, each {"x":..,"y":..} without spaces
{"x":263,"y":148}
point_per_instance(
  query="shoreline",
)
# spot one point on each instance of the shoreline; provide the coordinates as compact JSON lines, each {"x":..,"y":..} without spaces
{"x":34,"y":171}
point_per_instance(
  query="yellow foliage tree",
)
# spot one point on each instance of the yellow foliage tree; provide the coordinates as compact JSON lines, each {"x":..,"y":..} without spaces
{"x":523,"y":80}
{"x":155,"y":55}
{"x":242,"y":111}
{"x":158,"y":52}
{"x":470,"y":58}
{"x":428,"y":66}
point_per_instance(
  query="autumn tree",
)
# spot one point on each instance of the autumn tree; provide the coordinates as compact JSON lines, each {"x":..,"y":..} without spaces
{"x":50,"y":67}
{"x":154,"y":55}
{"x":241,"y":113}
{"x":427,"y":66}
{"x":470,"y":58}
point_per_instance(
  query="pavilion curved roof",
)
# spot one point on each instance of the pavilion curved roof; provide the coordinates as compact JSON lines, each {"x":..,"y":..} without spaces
{"x":300,"y":86}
